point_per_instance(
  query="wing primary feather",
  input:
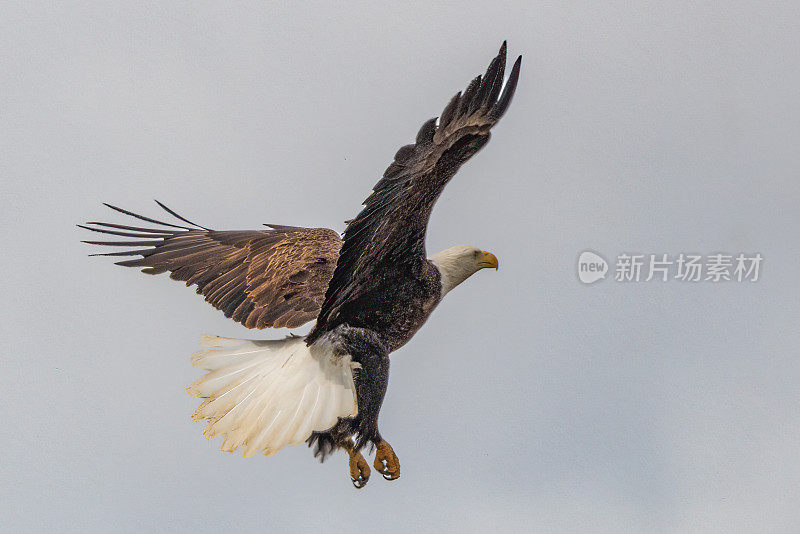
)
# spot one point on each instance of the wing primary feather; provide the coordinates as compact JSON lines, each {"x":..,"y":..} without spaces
{"x":469,"y":95}
{"x":124,"y":234}
{"x":143,"y":218}
{"x":179,"y":217}
{"x":497,"y":85}
{"x":281,"y":227}
{"x":124,"y":243}
{"x":449,"y":110}
{"x":477,"y":98}
{"x":141,"y":252}
{"x":494,"y":77}
{"x":133,"y":228}
{"x":488,"y":82}
{"x":404,"y":154}
{"x":425,"y":134}
{"x":502,"y":103}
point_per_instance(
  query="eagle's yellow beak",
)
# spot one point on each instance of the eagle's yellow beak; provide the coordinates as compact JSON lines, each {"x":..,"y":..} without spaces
{"x":488,"y":260}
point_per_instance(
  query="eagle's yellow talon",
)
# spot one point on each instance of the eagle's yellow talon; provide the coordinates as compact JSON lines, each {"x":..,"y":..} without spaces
{"x":359,"y":469}
{"x":386,"y":461}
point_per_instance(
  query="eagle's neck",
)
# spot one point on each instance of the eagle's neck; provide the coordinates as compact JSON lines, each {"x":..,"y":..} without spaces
{"x":454,"y":267}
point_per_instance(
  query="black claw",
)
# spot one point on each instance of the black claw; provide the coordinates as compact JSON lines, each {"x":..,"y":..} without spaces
{"x":359,"y":483}
{"x":386,"y":474}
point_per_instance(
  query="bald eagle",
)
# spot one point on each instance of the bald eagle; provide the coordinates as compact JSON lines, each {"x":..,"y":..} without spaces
{"x":369,"y":292}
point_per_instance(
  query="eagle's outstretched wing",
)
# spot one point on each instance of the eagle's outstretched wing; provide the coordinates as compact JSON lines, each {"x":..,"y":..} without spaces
{"x":260,"y":278}
{"x":390,"y":230}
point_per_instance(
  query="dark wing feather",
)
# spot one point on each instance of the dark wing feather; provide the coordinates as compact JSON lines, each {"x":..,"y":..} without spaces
{"x":260,"y":278}
{"x":390,"y":230}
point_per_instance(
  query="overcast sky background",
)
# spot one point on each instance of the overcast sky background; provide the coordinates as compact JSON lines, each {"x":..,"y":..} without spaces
{"x":529,"y":402}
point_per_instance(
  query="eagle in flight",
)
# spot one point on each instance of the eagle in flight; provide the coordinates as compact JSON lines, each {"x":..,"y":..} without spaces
{"x":369,"y":291}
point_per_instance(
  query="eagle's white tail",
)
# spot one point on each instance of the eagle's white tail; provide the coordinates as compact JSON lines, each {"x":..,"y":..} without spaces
{"x":264,"y":395}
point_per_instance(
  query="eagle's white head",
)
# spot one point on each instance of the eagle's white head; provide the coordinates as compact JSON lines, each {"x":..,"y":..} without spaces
{"x":458,"y":263}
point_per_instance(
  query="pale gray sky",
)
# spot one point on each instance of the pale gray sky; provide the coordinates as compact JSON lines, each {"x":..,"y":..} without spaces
{"x":529,"y":402}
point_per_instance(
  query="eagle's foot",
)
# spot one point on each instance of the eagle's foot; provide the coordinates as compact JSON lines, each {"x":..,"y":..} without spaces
{"x":359,"y":469}
{"x":386,"y":462}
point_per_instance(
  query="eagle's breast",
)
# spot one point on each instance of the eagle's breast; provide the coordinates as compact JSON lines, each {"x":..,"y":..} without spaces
{"x":413,"y":304}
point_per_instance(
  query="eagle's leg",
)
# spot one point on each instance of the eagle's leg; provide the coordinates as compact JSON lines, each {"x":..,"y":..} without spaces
{"x":386,"y":461}
{"x":371,"y":380}
{"x":370,"y":377}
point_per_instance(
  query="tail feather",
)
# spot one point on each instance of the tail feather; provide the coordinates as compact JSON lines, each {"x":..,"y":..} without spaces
{"x":264,"y":395}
